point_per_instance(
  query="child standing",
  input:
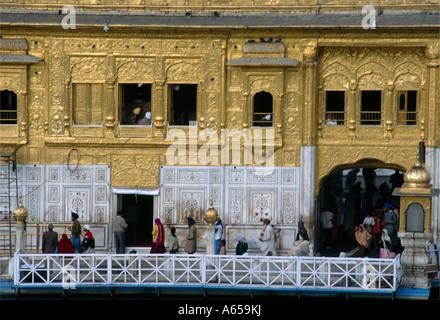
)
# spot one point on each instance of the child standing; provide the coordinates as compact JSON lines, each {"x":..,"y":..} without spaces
{"x":173,"y":242}
{"x":222,"y":247}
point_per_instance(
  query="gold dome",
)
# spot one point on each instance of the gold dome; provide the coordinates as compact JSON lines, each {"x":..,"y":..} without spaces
{"x":417,"y":177}
{"x":211,"y":215}
{"x":20,"y":214}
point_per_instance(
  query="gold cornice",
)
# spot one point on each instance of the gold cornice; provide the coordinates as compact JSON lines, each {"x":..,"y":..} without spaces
{"x":368,"y":140}
{"x":128,"y":142}
{"x":124,"y":142}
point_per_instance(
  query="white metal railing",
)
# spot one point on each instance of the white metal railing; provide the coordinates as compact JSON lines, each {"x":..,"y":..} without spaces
{"x":72,"y":270}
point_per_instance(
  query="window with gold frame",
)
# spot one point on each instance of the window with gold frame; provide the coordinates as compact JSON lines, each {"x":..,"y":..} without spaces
{"x":88,"y":103}
{"x":134,"y":103}
{"x":334,"y":109}
{"x":8,"y":107}
{"x":262,"y":115}
{"x":182,"y":104}
{"x":370,"y":107}
{"x":407,"y":107}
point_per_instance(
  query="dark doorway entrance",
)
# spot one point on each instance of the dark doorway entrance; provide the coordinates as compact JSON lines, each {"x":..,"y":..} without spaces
{"x":138,"y":212}
{"x":355,"y":192}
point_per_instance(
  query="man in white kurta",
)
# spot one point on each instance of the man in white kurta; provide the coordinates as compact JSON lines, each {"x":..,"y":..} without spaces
{"x":267,"y":238}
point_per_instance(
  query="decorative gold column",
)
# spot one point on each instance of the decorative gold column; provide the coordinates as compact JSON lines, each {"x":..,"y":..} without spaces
{"x":110,"y":100}
{"x":278,"y":125}
{"x":202,"y":105}
{"x":67,"y":109}
{"x":310,"y":101}
{"x":245,"y":104}
{"x":432,"y":126}
{"x":388,"y":111}
{"x":157,"y":109}
{"x":223,"y":88}
{"x":22,"y":117}
{"x":351,"y":109}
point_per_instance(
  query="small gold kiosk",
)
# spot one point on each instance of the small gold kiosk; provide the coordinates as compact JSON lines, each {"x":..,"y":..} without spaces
{"x":415,"y":223}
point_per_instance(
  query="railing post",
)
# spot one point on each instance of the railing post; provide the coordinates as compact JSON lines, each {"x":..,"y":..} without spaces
{"x":173,"y":268}
{"x":109,"y":269}
{"x":396,"y":275}
{"x":203,"y":271}
{"x":329,"y":277}
{"x":17,"y":268}
{"x":234,"y":260}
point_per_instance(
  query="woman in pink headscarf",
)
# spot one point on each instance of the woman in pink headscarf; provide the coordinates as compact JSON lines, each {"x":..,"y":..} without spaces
{"x":158,"y":238}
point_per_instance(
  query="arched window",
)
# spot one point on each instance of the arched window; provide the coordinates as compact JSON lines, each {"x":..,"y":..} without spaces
{"x":8,"y":107}
{"x":262,"y":115}
{"x":407,"y":110}
{"x":415,"y":217}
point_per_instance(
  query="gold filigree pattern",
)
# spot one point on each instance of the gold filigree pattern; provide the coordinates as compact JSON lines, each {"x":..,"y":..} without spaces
{"x":351,"y":63}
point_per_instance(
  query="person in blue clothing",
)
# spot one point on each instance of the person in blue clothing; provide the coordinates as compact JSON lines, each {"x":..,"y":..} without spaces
{"x":242,"y":246}
{"x":76,"y":233}
{"x":218,"y":234}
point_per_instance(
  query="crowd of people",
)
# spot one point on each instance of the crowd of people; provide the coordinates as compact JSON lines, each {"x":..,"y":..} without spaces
{"x":268,"y":239}
{"x":377,"y":231}
{"x":372,"y":220}
{"x":51,"y":244}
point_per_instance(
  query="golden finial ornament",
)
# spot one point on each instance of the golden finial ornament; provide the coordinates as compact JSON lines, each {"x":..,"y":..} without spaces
{"x":417,"y":176}
{"x":211,"y":215}
{"x":20,"y":213}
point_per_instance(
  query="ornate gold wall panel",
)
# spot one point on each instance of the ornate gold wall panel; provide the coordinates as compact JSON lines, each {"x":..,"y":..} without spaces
{"x":135,"y":170}
{"x":225,"y":94}
{"x":389,"y":70}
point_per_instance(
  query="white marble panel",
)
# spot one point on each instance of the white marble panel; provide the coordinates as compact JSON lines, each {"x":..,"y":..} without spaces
{"x":262,"y":205}
{"x":235,"y":205}
{"x":241,"y":194}
{"x":192,"y":204}
{"x":77,"y":200}
{"x":52,"y":192}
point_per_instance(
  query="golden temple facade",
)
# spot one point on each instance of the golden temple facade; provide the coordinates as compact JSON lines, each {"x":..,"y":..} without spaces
{"x":337,"y":85}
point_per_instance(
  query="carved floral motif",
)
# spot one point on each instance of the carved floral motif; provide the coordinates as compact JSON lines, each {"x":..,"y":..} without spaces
{"x":134,"y":170}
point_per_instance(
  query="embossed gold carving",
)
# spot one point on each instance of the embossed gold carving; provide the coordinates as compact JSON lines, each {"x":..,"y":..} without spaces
{"x":389,"y":70}
{"x":225,"y":93}
{"x":135,"y":170}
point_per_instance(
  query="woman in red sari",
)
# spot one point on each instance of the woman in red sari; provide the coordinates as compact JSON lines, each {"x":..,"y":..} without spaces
{"x":158,"y":238}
